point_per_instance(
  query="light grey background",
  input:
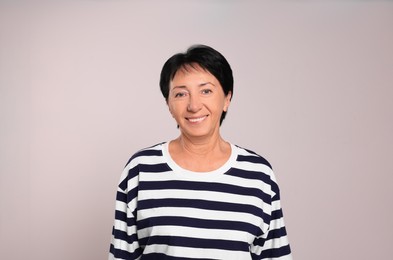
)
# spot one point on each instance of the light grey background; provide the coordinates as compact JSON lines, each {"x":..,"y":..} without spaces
{"x":79,"y":94}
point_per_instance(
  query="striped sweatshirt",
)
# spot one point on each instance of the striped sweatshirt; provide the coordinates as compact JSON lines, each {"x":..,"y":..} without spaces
{"x":166,"y":212}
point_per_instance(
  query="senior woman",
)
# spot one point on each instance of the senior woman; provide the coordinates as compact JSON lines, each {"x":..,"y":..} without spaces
{"x":198,"y":196}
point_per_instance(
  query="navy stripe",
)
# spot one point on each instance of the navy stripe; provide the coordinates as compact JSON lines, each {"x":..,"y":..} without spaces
{"x":276,"y":214}
{"x":259,"y":159}
{"x":277,"y":233}
{"x":252,"y":175}
{"x":196,"y":243}
{"x":199,"y":223}
{"x":276,"y":190}
{"x":132,"y":194}
{"x":133,"y":172}
{"x":273,"y":234}
{"x":124,"y":236}
{"x":275,"y":252}
{"x":127,"y":197}
{"x":253,"y":159}
{"x":122,"y":216}
{"x":203,"y":204}
{"x":203,"y":186}
{"x":122,"y":254}
{"x":153,"y":168}
{"x":145,"y":152}
{"x":120,"y":196}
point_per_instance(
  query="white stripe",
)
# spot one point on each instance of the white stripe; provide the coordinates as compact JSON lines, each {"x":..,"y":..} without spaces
{"x":273,"y":243}
{"x":226,"y":179}
{"x":200,"y":214}
{"x":122,"y":226}
{"x":242,"y":151}
{"x":201,"y":233}
{"x":123,"y":245}
{"x":132,"y":183}
{"x":276,"y":205}
{"x":256,"y":167}
{"x":151,"y":159}
{"x":277,"y":223}
{"x":177,"y":251}
{"x":120,"y":206}
{"x":126,"y":208}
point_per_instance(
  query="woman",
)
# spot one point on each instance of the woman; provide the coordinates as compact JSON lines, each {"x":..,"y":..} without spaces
{"x":198,"y":196}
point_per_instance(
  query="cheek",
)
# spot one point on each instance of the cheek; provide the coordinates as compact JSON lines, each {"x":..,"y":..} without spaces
{"x":172,"y":109}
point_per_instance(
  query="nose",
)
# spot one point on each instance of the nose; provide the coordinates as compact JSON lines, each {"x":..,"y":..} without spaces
{"x":194,"y":104}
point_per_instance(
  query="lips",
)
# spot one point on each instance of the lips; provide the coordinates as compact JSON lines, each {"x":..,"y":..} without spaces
{"x":196,"y":119}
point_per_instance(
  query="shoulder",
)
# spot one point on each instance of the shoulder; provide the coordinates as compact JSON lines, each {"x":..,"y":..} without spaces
{"x":257,"y":167}
{"x":146,"y":154}
{"x":246,"y":155}
{"x":149,"y":158}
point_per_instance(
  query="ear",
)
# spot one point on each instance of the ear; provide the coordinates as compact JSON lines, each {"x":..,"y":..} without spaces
{"x":227,"y":101}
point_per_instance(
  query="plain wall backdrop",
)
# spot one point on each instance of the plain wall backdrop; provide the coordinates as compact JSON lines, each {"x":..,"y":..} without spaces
{"x":79,"y":95}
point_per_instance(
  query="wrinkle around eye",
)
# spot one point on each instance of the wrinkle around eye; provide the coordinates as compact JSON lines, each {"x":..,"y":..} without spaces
{"x":180,"y":94}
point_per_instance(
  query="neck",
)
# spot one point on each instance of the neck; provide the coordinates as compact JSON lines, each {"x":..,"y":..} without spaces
{"x":200,"y":147}
{"x":200,"y":154}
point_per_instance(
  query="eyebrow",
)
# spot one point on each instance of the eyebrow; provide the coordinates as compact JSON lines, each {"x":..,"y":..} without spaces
{"x":200,"y":85}
{"x":206,"y":83}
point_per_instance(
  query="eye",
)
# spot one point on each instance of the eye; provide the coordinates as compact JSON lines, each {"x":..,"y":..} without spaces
{"x":206,"y":91}
{"x":180,"y":94}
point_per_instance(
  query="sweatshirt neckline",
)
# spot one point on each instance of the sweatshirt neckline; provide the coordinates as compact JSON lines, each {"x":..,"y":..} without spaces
{"x":202,"y":175}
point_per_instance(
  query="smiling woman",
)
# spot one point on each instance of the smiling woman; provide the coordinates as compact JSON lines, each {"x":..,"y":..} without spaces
{"x":196,"y":101}
{"x":198,"y":196}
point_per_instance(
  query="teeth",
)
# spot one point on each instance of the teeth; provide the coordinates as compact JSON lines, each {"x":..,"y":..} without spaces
{"x":194,"y":120}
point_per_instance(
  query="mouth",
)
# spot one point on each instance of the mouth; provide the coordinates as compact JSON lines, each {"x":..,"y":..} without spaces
{"x":196,"y":119}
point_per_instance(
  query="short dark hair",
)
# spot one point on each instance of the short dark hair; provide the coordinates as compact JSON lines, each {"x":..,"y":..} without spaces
{"x":208,"y":59}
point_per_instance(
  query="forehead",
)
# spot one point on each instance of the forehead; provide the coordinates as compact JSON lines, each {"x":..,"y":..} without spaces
{"x":191,"y":69}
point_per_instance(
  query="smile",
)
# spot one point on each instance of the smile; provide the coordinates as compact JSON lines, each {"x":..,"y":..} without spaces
{"x":196,"y":119}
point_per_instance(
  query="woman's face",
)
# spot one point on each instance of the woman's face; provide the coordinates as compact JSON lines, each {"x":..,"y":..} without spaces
{"x":196,"y":100}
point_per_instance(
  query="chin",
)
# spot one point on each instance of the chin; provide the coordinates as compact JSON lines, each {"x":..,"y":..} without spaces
{"x":202,"y":132}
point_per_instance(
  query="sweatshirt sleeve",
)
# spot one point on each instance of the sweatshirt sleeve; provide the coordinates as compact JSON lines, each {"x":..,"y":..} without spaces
{"x":124,"y":243}
{"x":274,"y":243}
